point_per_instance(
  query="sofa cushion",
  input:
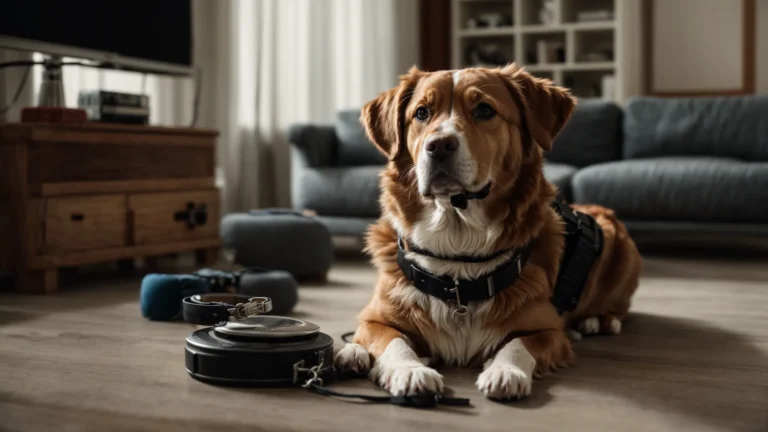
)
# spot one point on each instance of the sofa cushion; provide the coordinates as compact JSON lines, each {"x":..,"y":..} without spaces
{"x":733,"y":127}
{"x":592,"y":135}
{"x":559,"y":174}
{"x":352,"y":191}
{"x":354,"y":147}
{"x":678,"y":188}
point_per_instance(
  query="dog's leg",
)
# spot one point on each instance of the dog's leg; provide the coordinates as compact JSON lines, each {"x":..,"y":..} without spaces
{"x":603,"y":324}
{"x":396,"y":367}
{"x":510,"y":372}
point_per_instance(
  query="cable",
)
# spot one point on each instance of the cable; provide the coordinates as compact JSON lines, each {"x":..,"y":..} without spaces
{"x":19,"y":63}
{"x":196,"y":102}
{"x":19,"y":89}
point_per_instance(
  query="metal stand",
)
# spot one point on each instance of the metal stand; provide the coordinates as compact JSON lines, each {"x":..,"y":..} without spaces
{"x":52,"y":87}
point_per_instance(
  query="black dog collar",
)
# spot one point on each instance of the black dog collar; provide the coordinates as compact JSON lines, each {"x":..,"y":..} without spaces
{"x":461,"y":201}
{"x":463,"y":291}
{"x":214,"y":308}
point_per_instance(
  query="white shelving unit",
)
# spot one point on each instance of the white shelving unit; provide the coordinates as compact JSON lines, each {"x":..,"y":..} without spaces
{"x":590,"y":46}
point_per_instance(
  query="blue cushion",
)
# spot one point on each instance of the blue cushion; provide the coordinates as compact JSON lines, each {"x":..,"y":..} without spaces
{"x":733,"y":127}
{"x":678,"y":188}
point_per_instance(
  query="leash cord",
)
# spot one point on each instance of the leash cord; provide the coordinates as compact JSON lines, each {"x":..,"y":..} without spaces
{"x":419,"y":400}
{"x":346,"y":337}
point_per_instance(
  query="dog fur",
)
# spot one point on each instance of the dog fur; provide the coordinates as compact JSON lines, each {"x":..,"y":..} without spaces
{"x":403,"y":331}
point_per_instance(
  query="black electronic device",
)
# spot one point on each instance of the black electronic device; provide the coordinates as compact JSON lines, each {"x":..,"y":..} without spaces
{"x":115,"y":107}
{"x":143,"y":35}
{"x":259,"y":351}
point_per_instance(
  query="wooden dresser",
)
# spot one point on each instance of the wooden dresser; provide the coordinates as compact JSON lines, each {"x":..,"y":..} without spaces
{"x":79,"y":194}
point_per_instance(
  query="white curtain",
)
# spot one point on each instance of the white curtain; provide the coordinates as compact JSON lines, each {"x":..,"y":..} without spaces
{"x":264,"y":65}
{"x":271,"y":63}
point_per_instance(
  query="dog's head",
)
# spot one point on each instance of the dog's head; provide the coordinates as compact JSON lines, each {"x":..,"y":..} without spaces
{"x":461,"y":130}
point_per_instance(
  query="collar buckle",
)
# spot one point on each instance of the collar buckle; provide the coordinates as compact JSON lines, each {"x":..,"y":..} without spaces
{"x":254,"y":306}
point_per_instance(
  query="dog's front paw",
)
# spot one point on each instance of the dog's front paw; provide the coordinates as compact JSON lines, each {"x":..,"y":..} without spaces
{"x":504,"y":381}
{"x":407,"y":377}
{"x":353,"y":357}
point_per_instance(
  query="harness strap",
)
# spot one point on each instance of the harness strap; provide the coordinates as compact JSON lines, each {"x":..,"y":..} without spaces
{"x":583,"y":245}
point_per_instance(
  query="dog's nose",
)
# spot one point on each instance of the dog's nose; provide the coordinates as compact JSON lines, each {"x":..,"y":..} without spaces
{"x":442,"y":148}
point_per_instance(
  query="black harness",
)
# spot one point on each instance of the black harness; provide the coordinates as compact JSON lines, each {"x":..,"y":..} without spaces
{"x":583,"y":245}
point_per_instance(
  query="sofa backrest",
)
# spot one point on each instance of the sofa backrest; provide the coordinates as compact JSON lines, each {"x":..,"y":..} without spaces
{"x":734,"y":127}
{"x":354,"y":147}
{"x":591,"y":136}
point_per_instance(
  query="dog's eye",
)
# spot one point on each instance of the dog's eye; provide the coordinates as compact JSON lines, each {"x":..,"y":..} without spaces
{"x":484,"y":111}
{"x":422,"y":113}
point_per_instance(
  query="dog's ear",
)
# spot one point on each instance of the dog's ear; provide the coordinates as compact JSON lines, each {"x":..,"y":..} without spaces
{"x":384,"y":117}
{"x":546,"y":106}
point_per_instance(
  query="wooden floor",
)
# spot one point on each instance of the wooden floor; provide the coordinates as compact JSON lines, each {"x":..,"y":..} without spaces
{"x":694,"y":357}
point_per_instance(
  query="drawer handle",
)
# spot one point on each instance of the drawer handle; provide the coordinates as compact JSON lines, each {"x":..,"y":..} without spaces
{"x":77,"y":217}
{"x":193,"y":215}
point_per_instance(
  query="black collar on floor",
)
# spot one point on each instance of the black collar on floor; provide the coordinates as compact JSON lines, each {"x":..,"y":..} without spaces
{"x":463,"y":291}
{"x":583,"y":245}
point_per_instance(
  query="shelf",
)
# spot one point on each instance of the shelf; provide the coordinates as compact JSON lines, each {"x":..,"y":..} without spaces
{"x":567,"y":67}
{"x":591,"y":25}
{"x":487,"y":32}
{"x":579,"y":43}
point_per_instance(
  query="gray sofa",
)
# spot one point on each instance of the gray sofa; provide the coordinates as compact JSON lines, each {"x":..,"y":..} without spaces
{"x":665,"y":165}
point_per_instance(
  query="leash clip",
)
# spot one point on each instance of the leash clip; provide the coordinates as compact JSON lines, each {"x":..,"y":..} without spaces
{"x":314,"y":378}
{"x":461,"y":310}
{"x":254,"y":306}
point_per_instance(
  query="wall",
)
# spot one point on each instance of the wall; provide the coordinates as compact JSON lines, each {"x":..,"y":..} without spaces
{"x":698,"y":45}
{"x":10,"y":78}
{"x":762,"y":46}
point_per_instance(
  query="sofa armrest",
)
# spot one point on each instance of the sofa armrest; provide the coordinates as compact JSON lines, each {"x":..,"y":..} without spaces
{"x":313,"y":145}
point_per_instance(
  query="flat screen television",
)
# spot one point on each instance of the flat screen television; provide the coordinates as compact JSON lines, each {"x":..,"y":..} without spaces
{"x":152,"y":36}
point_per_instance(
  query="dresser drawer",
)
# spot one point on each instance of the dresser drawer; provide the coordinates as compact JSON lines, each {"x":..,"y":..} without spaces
{"x":174,"y":217}
{"x":85,"y":223}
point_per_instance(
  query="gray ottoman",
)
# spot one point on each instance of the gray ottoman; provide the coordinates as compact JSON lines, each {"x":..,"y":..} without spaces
{"x":281,"y":240}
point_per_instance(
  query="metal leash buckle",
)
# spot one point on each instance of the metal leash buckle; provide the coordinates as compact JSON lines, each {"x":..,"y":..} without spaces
{"x":461,"y":310}
{"x":313,"y":376}
{"x":255,"y":306}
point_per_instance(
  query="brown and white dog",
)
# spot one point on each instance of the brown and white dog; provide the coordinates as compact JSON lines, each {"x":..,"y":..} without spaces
{"x":452,"y":131}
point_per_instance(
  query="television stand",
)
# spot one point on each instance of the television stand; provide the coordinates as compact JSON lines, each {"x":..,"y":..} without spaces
{"x":86,"y":193}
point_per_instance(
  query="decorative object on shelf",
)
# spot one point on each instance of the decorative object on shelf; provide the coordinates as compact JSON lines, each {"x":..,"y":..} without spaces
{"x":594,"y":15}
{"x":50,"y":114}
{"x":547,"y":12}
{"x":599,"y":52}
{"x":550,"y":52}
{"x":583,"y":88}
{"x":490,"y":20}
{"x":486,"y":55}
{"x":608,"y":87}
{"x":115,"y":107}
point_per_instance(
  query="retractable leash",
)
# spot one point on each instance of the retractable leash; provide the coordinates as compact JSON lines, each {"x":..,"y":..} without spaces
{"x":242,"y":347}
